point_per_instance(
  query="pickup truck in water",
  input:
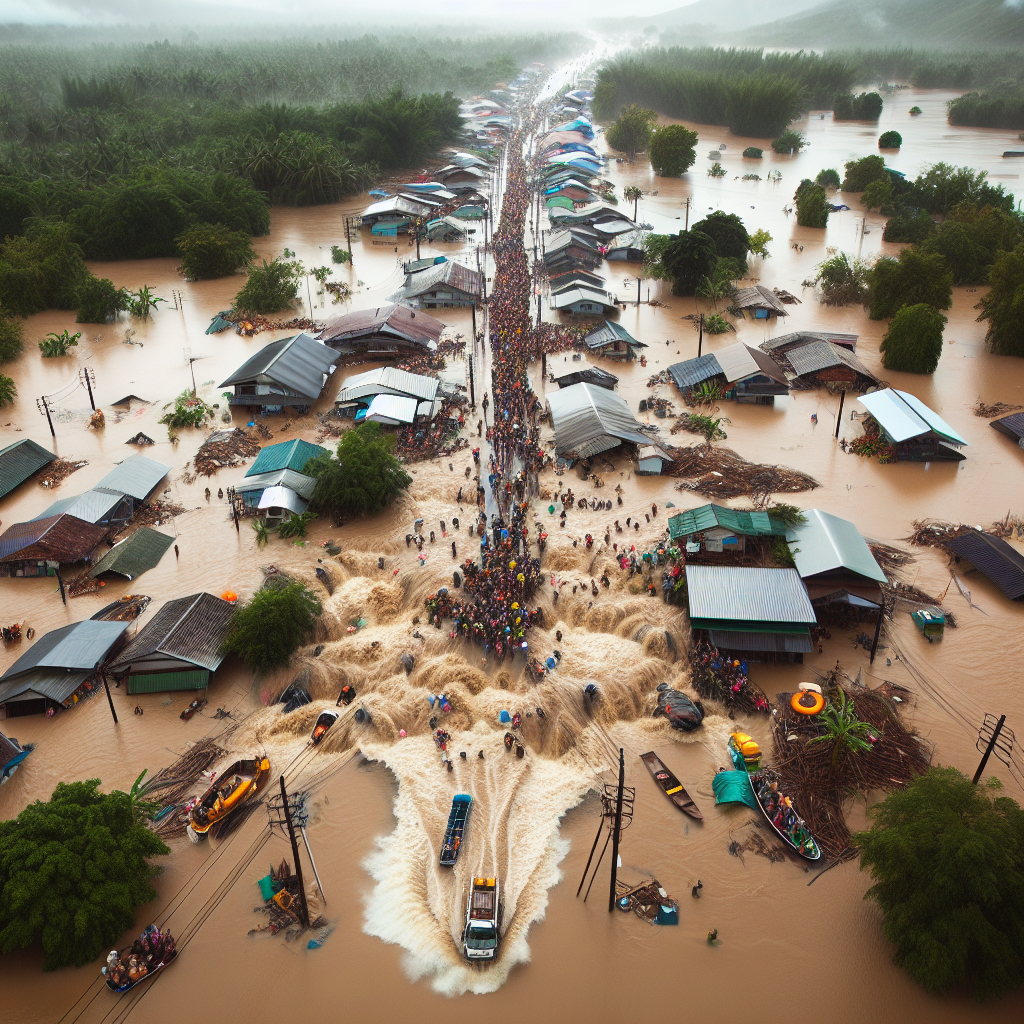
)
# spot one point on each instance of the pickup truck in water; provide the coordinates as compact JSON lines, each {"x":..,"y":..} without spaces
{"x":483,"y":914}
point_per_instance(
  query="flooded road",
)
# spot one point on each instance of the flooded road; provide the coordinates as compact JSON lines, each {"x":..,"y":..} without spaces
{"x":379,"y":802}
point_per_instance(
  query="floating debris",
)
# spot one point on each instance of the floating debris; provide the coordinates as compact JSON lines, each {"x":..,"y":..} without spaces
{"x":58,"y":471}
{"x":224,"y":448}
{"x":140,"y":439}
{"x":990,"y":412}
{"x":721,"y":473}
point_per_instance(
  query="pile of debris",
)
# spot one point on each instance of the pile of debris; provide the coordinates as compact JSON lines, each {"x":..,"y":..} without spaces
{"x":821,"y":777}
{"x":225,"y":448}
{"x":140,"y":439}
{"x":254,"y":324}
{"x":58,"y":471}
{"x":990,"y":412}
{"x":124,"y":609}
{"x":173,"y":784}
{"x":153,"y":513}
{"x":281,"y":898}
{"x":648,"y":901}
{"x":934,"y":533}
{"x":721,"y":473}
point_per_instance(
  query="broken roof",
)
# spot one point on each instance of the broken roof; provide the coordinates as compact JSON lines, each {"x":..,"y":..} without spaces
{"x":137,"y":553}
{"x":391,"y":320}
{"x":825,"y":543}
{"x":902,"y":417}
{"x":189,"y":628}
{"x":1012,"y":426}
{"x":61,"y":538}
{"x":19,"y":461}
{"x":823,"y":355}
{"x":297,"y":363}
{"x":589,"y":419}
{"x":759,"y":297}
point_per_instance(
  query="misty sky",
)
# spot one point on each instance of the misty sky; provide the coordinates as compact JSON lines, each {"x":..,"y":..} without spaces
{"x":188,"y":14}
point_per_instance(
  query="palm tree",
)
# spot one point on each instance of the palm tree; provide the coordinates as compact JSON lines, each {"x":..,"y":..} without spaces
{"x":633,"y":195}
{"x":844,"y":731}
{"x":262,"y":533}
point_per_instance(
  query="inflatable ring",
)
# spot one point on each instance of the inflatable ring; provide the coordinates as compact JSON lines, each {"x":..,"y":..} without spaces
{"x":817,"y":702}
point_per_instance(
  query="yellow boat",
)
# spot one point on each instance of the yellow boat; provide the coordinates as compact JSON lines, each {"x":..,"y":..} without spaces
{"x":236,"y":785}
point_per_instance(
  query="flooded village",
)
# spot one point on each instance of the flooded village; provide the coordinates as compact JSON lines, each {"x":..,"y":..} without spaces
{"x":594,"y":567}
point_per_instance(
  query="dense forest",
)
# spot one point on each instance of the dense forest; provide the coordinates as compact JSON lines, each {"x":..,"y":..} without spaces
{"x":754,"y":92}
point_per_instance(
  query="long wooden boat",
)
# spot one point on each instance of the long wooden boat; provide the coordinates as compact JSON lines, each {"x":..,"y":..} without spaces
{"x":124,"y":957}
{"x":197,"y":705}
{"x":455,"y":831}
{"x":777,"y":808}
{"x":236,"y":785}
{"x":323,"y":723}
{"x":671,"y":786}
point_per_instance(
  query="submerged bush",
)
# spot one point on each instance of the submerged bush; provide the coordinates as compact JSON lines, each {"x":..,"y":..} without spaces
{"x":270,"y":288}
{"x":41,"y":270}
{"x":8,"y":390}
{"x":812,"y":205}
{"x":54,"y":345}
{"x":672,"y":150}
{"x":860,"y":173}
{"x":789,"y":142}
{"x":211,"y":250}
{"x":12,"y":337}
{"x":865,"y":107}
{"x":914,"y":277}
{"x":843,"y":280}
{"x":1003,"y":307}
{"x":913,"y":343}
{"x":828,"y":178}
{"x":99,"y":301}
{"x":753,"y":153}
{"x":890,"y":140}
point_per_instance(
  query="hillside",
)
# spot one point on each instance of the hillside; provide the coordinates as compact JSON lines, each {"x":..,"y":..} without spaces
{"x":727,"y":14}
{"x":841,"y":24}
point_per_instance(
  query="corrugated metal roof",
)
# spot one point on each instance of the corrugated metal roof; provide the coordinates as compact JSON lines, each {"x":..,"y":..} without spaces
{"x":301,"y":484}
{"x":136,"y":476}
{"x":298,"y":364}
{"x":388,"y":380}
{"x":587,"y":375}
{"x":822,"y":355}
{"x":780,"y":643}
{"x":97,"y":505}
{"x":398,"y":408}
{"x":739,"y":521}
{"x":1002,"y":563}
{"x":825,"y":542}
{"x":54,"y":683}
{"x":394,"y":320}
{"x":292,"y":454}
{"x":1012,"y":426}
{"x":189,"y":628}
{"x":80,"y":646}
{"x":902,"y":416}
{"x":608,"y":332}
{"x":582,"y":294}
{"x":280,"y":496}
{"x":396,"y":204}
{"x":61,"y":538}
{"x":134,"y":555}
{"x":759,"y":297}
{"x":691,"y":372}
{"x":584,"y":414}
{"x":441,"y":275}
{"x":750,"y":595}
{"x":19,"y":461}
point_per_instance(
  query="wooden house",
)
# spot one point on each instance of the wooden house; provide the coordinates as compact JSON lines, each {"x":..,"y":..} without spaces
{"x":391,"y":331}
{"x":612,"y":341}
{"x":916,"y":432}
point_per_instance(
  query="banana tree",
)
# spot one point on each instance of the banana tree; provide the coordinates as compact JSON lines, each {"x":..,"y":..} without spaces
{"x":141,"y":302}
{"x":844,"y":732}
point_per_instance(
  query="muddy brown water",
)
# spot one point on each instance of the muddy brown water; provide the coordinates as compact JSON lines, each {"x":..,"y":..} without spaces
{"x":377,"y":817}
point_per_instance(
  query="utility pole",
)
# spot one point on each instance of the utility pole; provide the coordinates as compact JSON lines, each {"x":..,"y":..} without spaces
{"x":86,"y":375}
{"x":638,"y":292}
{"x":878,"y":630}
{"x":617,"y":828}
{"x":688,"y":201}
{"x":303,"y":909}
{"x":472,"y":392}
{"x":63,"y":592}
{"x":43,"y":405}
{"x":348,"y":242}
{"x":700,"y":334}
{"x":110,"y":700}
{"x":839,"y":417}
{"x":991,"y":745}
{"x":192,"y":370}
{"x":418,"y":222}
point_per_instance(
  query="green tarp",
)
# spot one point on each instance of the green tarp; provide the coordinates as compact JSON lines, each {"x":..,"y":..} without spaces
{"x":165,"y":682}
{"x":734,"y":788}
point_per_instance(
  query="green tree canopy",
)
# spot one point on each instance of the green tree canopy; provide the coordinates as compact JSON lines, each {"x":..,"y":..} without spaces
{"x":912,"y":278}
{"x":731,"y":240}
{"x":890,"y":140}
{"x":672,"y":150}
{"x":907,"y":227}
{"x":828,"y":178}
{"x":654,"y":253}
{"x":843,"y":280}
{"x":631,"y":132}
{"x":759,"y":243}
{"x":689,"y":258}
{"x":865,"y":107}
{"x":99,"y":301}
{"x":969,"y":240}
{"x":212,"y":250}
{"x":364,"y":478}
{"x":73,"y":871}
{"x":12,"y":337}
{"x":878,"y":193}
{"x":947,"y":860}
{"x":42,"y":269}
{"x":1003,"y":307}
{"x":860,"y":173}
{"x":913,"y":342}
{"x":812,"y":205}
{"x":8,"y":390}
{"x":270,"y":288}
{"x":270,"y":628}
{"x":789,"y":142}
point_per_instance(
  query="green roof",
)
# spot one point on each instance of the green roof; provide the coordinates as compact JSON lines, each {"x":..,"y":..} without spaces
{"x":134,"y":555}
{"x":287,"y":455}
{"x":708,"y":517}
{"x":19,"y":461}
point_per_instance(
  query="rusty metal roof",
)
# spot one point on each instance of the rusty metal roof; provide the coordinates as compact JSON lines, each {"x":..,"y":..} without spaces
{"x":391,"y":320}
{"x":441,"y":275}
{"x":61,"y":538}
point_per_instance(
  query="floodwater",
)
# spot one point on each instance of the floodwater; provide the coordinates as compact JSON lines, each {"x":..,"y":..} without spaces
{"x":379,"y":802}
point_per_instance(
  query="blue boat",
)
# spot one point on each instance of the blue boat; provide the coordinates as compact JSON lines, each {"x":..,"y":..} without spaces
{"x":453,"y":835}
{"x":12,"y":753}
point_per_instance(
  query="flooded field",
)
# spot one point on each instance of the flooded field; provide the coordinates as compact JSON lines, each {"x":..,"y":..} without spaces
{"x":379,"y":801}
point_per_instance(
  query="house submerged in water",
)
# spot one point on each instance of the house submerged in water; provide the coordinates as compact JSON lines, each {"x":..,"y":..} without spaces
{"x":916,"y":432}
{"x":285,"y":374}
